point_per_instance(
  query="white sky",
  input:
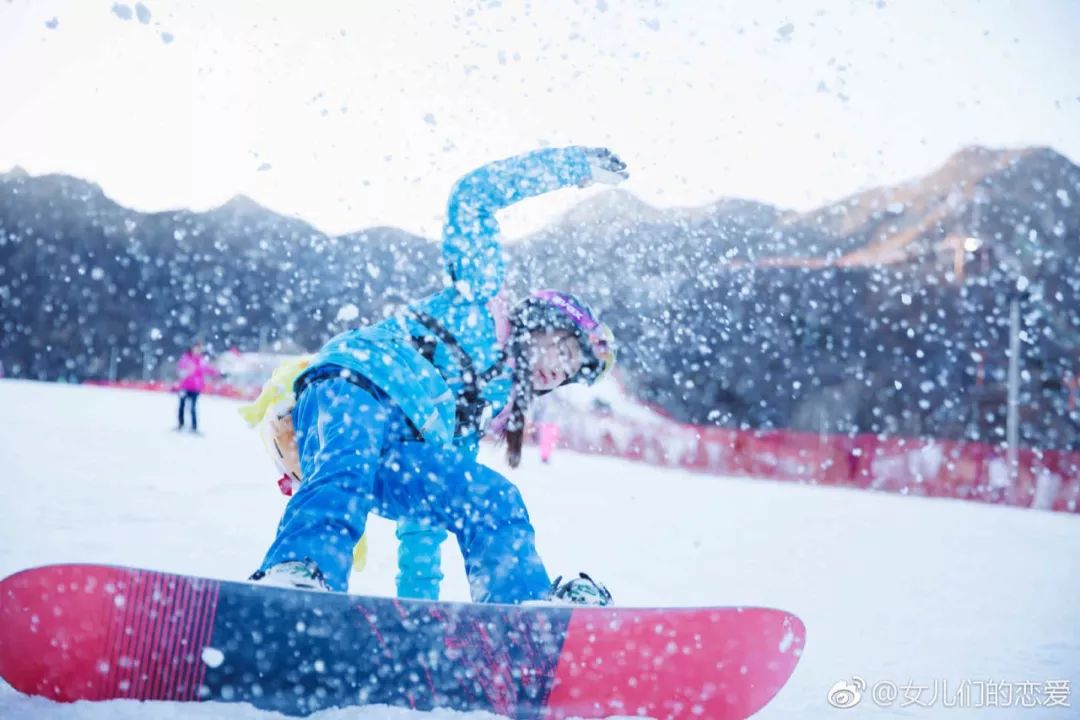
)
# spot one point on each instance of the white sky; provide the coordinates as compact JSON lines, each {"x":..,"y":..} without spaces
{"x":351,"y":114}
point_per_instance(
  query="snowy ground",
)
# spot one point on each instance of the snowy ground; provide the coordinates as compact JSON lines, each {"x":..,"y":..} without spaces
{"x":891,"y":588}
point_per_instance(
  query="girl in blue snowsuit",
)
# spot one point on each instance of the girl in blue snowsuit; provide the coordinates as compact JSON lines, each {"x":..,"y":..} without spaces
{"x":388,"y":417}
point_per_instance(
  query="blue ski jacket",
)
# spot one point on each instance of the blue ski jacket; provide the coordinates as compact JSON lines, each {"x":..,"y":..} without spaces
{"x":420,"y":358}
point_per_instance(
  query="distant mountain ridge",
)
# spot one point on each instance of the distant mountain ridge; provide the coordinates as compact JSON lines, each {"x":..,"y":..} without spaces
{"x":735,"y":312}
{"x":874,"y":226}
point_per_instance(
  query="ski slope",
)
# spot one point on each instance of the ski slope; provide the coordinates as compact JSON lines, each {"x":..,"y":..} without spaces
{"x":891,"y":588}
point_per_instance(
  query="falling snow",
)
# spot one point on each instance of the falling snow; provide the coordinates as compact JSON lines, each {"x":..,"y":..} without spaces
{"x":787,"y":262}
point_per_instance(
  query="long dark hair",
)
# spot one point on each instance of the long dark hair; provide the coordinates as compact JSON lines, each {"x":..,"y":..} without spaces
{"x":522,"y":392}
{"x":533,"y":315}
{"x":521,"y":395}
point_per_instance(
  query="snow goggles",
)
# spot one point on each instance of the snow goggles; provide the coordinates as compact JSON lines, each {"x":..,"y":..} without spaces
{"x":597,"y":338}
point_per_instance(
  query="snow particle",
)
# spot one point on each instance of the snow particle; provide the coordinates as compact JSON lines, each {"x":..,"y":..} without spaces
{"x":52,"y":24}
{"x":347,"y":313}
{"x":142,"y":13}
{"x":212,"y":656}
{"x":786,"y":641}
{"x":122,"y":11}
{"x":167,"y":37}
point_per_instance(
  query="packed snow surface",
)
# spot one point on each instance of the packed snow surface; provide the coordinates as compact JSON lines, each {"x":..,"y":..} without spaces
{"x":894,"y":589}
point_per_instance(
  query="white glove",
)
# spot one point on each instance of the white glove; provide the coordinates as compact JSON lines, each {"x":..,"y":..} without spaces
{"x":605,"y":166}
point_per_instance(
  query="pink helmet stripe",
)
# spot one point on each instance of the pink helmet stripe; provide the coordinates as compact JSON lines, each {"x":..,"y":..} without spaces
{"x":579,"y":315}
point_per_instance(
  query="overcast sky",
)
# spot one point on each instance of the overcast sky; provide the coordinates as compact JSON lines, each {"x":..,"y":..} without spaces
{"x":359,"y":113}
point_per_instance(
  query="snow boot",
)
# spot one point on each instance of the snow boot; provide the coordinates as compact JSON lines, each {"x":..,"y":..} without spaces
{"x":294,"y":573}
{"x":582,"y":590}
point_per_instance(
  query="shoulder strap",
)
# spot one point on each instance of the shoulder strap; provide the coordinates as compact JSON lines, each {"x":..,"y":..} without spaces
{"x":469,"y":405}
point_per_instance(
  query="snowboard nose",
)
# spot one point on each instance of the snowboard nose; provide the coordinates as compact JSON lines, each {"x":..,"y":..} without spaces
{"x":717,"y":663}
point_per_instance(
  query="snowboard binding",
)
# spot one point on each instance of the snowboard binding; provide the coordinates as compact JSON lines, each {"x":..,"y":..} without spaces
{"x":304,"y":575}
{"x":582,"y":590}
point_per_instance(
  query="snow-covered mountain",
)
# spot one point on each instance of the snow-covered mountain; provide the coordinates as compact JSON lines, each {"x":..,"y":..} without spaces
{"x":884,"y":312}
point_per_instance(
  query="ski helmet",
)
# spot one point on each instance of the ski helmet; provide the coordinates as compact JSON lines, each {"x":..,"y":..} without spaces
{"x":556,"y":310}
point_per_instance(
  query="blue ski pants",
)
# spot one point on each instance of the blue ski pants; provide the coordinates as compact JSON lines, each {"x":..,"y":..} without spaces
{"x":358,"y":455}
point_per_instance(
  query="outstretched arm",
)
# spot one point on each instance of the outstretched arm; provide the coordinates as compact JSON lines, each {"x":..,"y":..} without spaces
{"x":470,"y":237}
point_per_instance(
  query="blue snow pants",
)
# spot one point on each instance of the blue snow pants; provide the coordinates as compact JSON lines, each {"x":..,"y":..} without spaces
{"x":358,"y":454}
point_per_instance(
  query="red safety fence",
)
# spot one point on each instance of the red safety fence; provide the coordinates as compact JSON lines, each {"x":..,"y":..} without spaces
{"x":212,"y":387}
{"x":1045,"y":479}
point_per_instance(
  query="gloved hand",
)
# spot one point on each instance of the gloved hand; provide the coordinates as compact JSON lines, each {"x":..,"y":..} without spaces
{"x":606,"y":166}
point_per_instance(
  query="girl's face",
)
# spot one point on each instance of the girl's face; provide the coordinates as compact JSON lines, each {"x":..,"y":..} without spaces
{"x":553,"y":357}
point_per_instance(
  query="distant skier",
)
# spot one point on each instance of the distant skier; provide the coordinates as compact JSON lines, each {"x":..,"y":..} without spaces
{"x":387,"y":418}
{"x":193,"y":368}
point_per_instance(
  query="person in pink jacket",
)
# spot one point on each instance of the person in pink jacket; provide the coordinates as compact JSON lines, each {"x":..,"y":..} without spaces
{"x":193,"y":368}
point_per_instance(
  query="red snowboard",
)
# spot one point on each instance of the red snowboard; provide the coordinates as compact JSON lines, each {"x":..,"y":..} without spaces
{"x":86,"y":632}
